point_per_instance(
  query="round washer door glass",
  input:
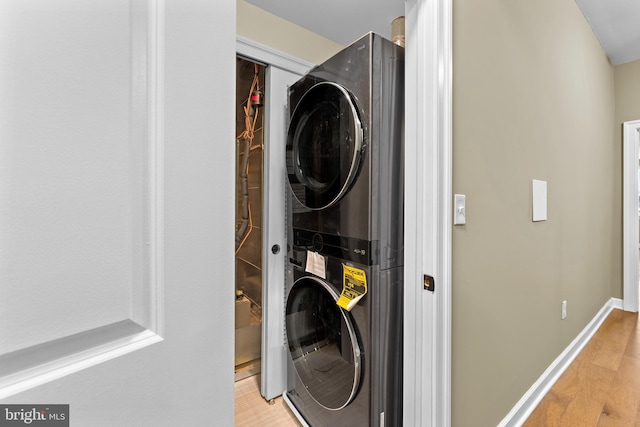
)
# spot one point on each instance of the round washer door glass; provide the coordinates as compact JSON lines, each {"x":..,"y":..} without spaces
{"x":324,"y":145}
{"x":322,"y":343}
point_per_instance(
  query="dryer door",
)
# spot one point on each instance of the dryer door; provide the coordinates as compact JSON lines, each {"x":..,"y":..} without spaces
{"x":322,"y":343}
{"x":324,"y":145}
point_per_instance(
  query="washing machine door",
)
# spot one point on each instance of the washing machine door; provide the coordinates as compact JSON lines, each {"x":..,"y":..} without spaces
{"x":324,"y":145}
{"x":323,"y":343}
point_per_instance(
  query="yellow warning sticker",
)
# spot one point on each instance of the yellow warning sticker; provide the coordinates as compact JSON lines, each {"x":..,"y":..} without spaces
{"x":354,"y":287}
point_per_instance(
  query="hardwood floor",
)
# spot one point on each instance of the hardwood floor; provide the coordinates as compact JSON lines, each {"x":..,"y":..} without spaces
{"x":253,"y":411}
{"x":600,"y":388}
{"x":602,"y":385}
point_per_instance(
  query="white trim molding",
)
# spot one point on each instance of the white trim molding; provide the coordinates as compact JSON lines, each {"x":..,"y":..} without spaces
{"x":282,"y":71}
{"x":630,"y":217}
{"x":525,"y":406}
{"x":262,"y":53}
{"x":428,"y":163}
{"x":279,"y":76}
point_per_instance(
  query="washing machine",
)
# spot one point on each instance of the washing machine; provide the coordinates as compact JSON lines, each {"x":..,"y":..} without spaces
{"x":344,"y":152}
{"x":344,"y":160}
{"x":345,"y":366}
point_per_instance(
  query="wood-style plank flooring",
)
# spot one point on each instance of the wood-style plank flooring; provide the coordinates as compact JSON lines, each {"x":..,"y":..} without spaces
{"x":600,"y":388}
{"x":253,"y":411}
{"x":602,"y":385}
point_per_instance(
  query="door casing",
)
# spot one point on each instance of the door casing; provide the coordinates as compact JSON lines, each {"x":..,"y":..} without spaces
{"x":631,"y":152}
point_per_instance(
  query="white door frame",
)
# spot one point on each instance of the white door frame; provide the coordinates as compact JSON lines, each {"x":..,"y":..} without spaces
{"x":428,"y":171}
{"x":630,"y":217}
{"x":282,"y":71}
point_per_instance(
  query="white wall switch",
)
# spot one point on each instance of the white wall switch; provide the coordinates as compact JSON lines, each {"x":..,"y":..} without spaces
{"x":564,"y":309}
{"x":459,"y":209}
{"x":539,"y":200}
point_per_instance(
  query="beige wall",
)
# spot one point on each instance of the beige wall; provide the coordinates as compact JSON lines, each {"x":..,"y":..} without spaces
{"x":533,"y":99}
{"x":627,"y":80}
{"x":263,"y":27}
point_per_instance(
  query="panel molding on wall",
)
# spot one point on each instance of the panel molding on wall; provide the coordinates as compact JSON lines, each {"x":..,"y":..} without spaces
{"x":141,"y":295}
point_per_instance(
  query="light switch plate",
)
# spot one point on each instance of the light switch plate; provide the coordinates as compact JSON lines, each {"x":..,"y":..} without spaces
{"x":539,"y":200}
{"x":459,"y":209}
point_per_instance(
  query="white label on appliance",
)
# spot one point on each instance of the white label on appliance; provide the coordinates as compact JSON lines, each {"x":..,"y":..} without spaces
{"x":316,"y":264}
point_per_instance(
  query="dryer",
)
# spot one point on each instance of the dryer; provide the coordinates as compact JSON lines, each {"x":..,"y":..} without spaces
{"x":344,"y":152}
{"x":345,"y":169}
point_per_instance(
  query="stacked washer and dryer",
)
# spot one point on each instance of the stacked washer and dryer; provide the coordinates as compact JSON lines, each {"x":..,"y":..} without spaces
{"x":345,"y":238}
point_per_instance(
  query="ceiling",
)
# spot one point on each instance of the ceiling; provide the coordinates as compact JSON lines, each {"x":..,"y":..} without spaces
{"x":341,"y":21}
{"x":616,"y":23}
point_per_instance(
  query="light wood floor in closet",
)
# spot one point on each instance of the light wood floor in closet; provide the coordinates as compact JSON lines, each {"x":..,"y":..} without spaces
{"x":602,"y":385}
{"x":253,"y":410}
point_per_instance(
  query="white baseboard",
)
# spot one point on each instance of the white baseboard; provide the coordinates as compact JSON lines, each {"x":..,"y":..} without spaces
{"x":617,"y":303}
{"x":519,"y":414}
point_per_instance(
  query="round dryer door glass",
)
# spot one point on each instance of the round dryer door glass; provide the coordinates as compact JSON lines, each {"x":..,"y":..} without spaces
{"x":324,"y":145}
{"x":322,"y":343}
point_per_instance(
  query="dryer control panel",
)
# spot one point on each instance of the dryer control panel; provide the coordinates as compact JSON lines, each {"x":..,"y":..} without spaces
{"x":350,"y":249}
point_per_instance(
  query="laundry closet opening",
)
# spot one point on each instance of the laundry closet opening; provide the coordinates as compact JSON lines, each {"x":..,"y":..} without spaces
{"x":250,"y":78}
